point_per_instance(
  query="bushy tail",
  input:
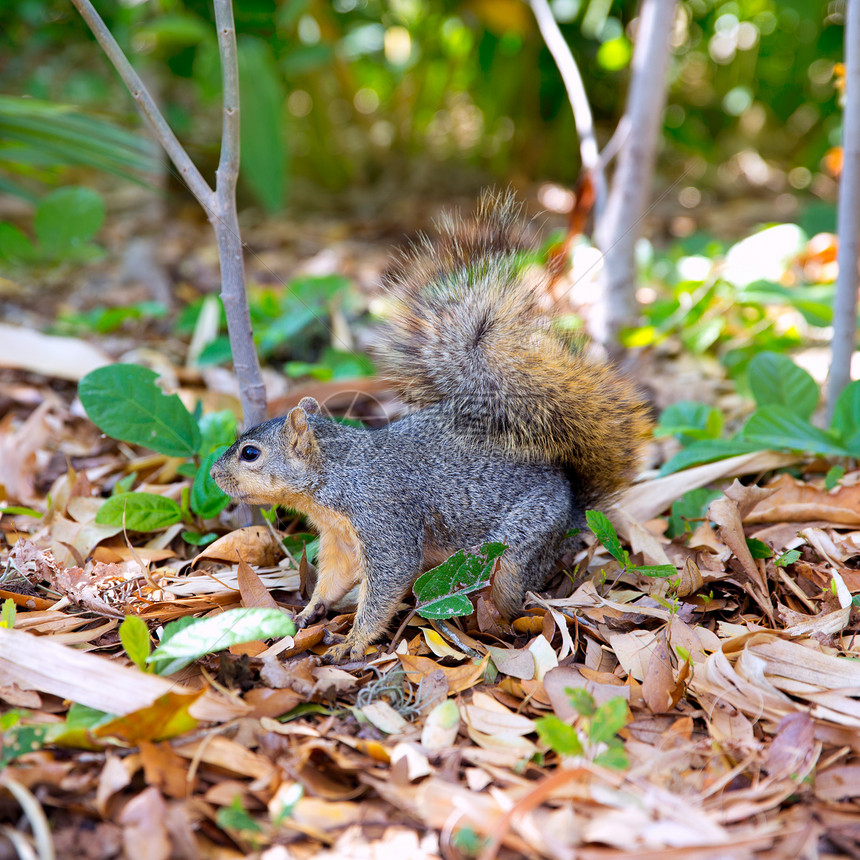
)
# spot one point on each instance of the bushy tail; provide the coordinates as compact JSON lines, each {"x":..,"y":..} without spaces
{"x":470,"y":333}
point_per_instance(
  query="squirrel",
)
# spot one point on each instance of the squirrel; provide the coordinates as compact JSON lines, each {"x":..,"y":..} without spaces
{"x":516,"y":433}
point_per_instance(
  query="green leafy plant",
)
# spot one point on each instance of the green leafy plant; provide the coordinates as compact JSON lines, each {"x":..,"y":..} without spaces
{"x":442,"y":592}
{"x":605,"y":532}
{"x":290,"y":322}
{"x":106,"y":320}
{"x":125,"y":402}
{"x":786,"y":397}
{"x":594,"y":733}
{"x":64,"y":222}
{"x":38,"y":138}
{"x":730,"y":302}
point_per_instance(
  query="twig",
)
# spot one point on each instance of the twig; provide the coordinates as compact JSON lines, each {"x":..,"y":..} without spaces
{"x":226,"y":223}
{"x":220,"y":204}
{"x":576,"y":94}
{"x":452,"y":634}
{"x":396,"y":638}
{"x":845,"y":300}
{"x":146,"y":105}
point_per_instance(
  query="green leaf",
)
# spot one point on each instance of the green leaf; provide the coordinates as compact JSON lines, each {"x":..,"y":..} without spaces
{"x":605,"y":532}
{"x":582,"y":701}
{"x":662,"y":571}
{"x":833,"y":477}
{"x":708,"y":451}
{"x":139,"y":512}
{"x":67,"y":218}
{"x":452,"y":606}
{"x":779,"y":428}
{"x":21,"y":739}
{"x":207,"y":498}
{"x":124,"y":484}
{"x":58,"y":136}
{"x":236,"y":817}
{"x":758,"y":548}
{"x":174,"y":627}
{"x":788,"y":557}
{"x":134,"y":635}
{"x":468,"y":842}
{"x":302,"y":541}
{"x":15,"y":247}
{"x":124,"y":401}
{"x":441,"y":592}
{"x":19,"y":510}
{"x":202,"y":636}
{"x":688,"y":420}
{"x":286,"y":803}
{"x":559,"y":736}
{"x":846,"y":418}
{"x":8,"y":613}
{"x":691,"y":506}
{"x":608,"y":720}
{"x":264,"y":153}
{"x":776,"y":380}
{"x":615,"y":758}
{"x":216,"y":429}
{"x":197,"y":539}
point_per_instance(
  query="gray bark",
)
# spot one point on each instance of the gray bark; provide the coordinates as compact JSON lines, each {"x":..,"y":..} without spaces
{"x":619,"y":226}
{"x":845,"y":300}
{"x":219,"y":205}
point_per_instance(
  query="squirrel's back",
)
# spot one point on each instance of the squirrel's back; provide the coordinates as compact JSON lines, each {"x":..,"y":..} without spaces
{"x":471,"y":333}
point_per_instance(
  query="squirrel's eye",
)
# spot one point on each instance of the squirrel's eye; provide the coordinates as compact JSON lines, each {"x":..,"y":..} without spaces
{"x":249,"y":453}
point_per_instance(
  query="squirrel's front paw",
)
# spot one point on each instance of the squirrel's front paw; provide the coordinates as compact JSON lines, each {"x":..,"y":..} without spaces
{"x":311,"y":613}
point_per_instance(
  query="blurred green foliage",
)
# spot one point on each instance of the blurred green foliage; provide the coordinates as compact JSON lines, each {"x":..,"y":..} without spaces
{"x":762,"y":293}
{"x":64,"y":222}
{"x":339,"y":93}
{"x":786,"y":397}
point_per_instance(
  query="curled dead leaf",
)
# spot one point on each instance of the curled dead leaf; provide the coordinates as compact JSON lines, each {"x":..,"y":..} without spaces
{"x":254,"y":544}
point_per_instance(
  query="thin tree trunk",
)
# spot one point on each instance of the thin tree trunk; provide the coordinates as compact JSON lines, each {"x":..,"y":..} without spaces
{"x":219,"y":205}
{"x":224,"y":218}
{"x":619,"y":226}
{"x":845,"y":300}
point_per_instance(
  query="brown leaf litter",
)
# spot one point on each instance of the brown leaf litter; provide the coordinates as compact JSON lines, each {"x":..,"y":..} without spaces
{"x":740,"y":677}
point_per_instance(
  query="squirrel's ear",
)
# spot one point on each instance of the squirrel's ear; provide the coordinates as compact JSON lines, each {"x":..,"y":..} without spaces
{"x":309,"y":405}
{"x":301,"y":437}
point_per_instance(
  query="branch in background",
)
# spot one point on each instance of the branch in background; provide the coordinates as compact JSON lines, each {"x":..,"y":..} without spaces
{"x":618,"y":227}
{"x":145,"y":103}
{"x":845,"y":300}
{"x":219,"y":205}
{"x":226,"y":224}
{"x":582,"y":117}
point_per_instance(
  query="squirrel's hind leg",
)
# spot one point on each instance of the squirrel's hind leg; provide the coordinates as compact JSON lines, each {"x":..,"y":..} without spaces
{"x":533,"y":533}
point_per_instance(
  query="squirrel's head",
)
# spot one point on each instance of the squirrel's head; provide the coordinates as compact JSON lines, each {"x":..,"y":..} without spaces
{"x":275,"y":462}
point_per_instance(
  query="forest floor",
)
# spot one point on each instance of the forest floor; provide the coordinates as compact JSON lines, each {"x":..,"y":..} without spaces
{"x":722,"y":713}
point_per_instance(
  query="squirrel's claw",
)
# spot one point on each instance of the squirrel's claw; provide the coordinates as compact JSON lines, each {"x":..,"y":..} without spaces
{"x":343,"y":651}
{"x":311,"y":613}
